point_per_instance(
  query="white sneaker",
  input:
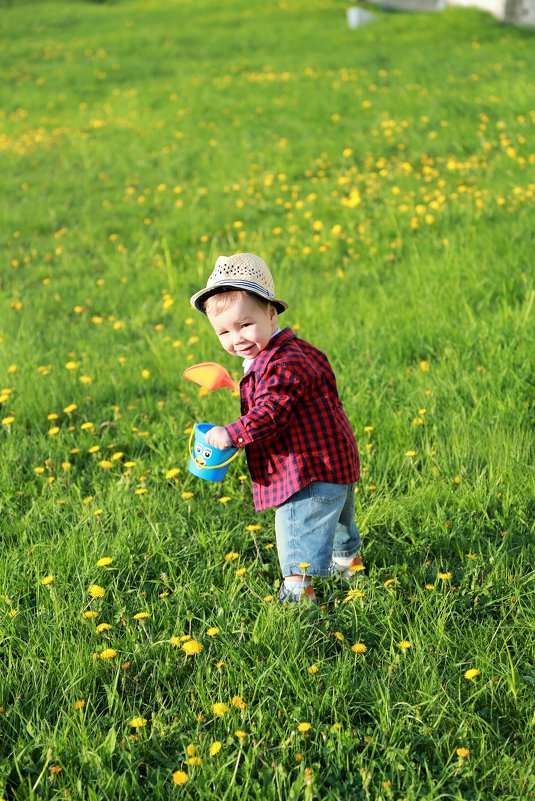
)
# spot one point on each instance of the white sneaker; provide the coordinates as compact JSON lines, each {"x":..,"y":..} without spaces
{"x":351,"y":572}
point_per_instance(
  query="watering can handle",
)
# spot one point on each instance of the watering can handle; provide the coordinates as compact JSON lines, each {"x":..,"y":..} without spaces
{"x":208,"y":466}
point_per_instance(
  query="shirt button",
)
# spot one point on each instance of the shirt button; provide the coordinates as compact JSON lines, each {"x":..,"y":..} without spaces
{"x":240,"y":439}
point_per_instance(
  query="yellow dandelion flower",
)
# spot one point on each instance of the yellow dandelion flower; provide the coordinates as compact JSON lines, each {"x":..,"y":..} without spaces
{"x":304,"y":727}
{"x":268,"y":598}
{"x":241,"y":571}
{"x":8,"y":420}
{"x":238,"y":702}
{"x":231,"y":557}
{"x":141,"y":616}
{"x":471,"y":673}
{"x":303,"y":565}
{"x":215,"y":748}
{"x":429,"y":586}
{"x":389,"y":582}
{"x":192,"y":647}
{"x":187,"y":495}
{"x":359,"y":648}
{"x":180,"y":777}
{"x":220,"y":709}
{"x":253,"y":527}
{"x":410,"y":453}
{"x":104,"y":560}
{"x":241,"y":735}
{"x":176,"y":641}
{"x":89,"y":614}
{"x":212,"y":631}
{"x":174,"y":471}
{"x":339,"y":636}
{"x":352,"y":594}
{"x":225,"y":499}
{"x":299,"y":757}
{"x":96,"y":591}
{"x":79,"y":704}
{"x":404,"y":644}
{"x":336,"y":727}
{"x":193,"y":760}
{"x":313,"y":669}
{"x":47,"y":580}
{"x":138,"y":723}
{"x":463,"y":753}
{"x":445,"y":576}
{"x":103,"y":627}
{"x":108,"y":653}
{"x":53,"y":431}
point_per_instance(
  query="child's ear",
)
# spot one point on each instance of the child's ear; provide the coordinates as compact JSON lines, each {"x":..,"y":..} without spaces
{"x":273,"y":314}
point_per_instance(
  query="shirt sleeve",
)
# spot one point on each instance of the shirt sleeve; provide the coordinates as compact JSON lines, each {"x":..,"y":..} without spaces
{"x":276,"y":395}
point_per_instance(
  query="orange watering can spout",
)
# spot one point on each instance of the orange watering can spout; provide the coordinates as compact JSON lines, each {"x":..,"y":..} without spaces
{"x":210,"y":375}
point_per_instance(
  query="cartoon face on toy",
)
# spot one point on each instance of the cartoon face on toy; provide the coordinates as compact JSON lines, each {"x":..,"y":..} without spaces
{"x":202,"y":453}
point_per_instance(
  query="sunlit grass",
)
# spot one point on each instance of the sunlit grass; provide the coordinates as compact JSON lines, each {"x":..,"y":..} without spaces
{"x":386,"y":175}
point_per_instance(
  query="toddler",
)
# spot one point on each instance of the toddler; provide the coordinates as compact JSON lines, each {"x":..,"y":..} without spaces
{"x":300,"y":447}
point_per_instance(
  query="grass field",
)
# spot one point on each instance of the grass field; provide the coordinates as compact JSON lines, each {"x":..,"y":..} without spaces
{"x":387,"y":176}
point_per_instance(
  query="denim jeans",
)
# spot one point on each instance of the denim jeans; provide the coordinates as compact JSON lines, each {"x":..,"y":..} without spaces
{"x":314,"y":525}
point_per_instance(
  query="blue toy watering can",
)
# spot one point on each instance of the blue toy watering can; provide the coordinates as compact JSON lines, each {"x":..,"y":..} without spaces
{"x":206,"y":461}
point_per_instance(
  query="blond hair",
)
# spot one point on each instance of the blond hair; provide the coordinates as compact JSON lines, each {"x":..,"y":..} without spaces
{"x":221,"y":301}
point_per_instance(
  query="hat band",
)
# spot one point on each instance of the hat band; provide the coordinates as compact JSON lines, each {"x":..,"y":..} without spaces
{"x":247,"y":285}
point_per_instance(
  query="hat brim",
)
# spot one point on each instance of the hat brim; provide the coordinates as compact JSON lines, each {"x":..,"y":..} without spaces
{"x":199,"y":299}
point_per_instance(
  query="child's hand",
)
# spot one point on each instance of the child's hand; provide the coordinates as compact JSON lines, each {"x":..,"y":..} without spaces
{"x":218,"y":438}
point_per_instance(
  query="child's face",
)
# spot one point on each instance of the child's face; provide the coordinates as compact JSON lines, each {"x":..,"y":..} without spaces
{"x":245,"y":327}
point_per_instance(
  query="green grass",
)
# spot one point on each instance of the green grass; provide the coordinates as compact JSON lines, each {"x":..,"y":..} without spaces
{"x":387,"y":176}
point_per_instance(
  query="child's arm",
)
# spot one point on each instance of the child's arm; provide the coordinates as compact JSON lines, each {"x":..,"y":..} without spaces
{"x":276,"y":395}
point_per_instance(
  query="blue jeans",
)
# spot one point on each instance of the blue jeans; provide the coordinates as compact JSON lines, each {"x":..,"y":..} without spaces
{"x":314,"y":525}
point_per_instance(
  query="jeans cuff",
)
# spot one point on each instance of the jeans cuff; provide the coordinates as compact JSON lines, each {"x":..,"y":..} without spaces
{"x":295,"y":570}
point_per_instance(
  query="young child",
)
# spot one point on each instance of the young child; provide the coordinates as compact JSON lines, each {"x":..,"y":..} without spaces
{"x":299,"y":444}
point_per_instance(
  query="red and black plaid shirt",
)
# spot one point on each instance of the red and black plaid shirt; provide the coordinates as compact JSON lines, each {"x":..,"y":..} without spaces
{"x":293,"y":425}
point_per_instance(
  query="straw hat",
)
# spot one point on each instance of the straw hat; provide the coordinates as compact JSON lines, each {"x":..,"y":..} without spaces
{"x":241,"y":271}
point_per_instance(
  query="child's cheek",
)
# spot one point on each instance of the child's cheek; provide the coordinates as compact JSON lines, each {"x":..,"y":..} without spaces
{"x":227,"y":344}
